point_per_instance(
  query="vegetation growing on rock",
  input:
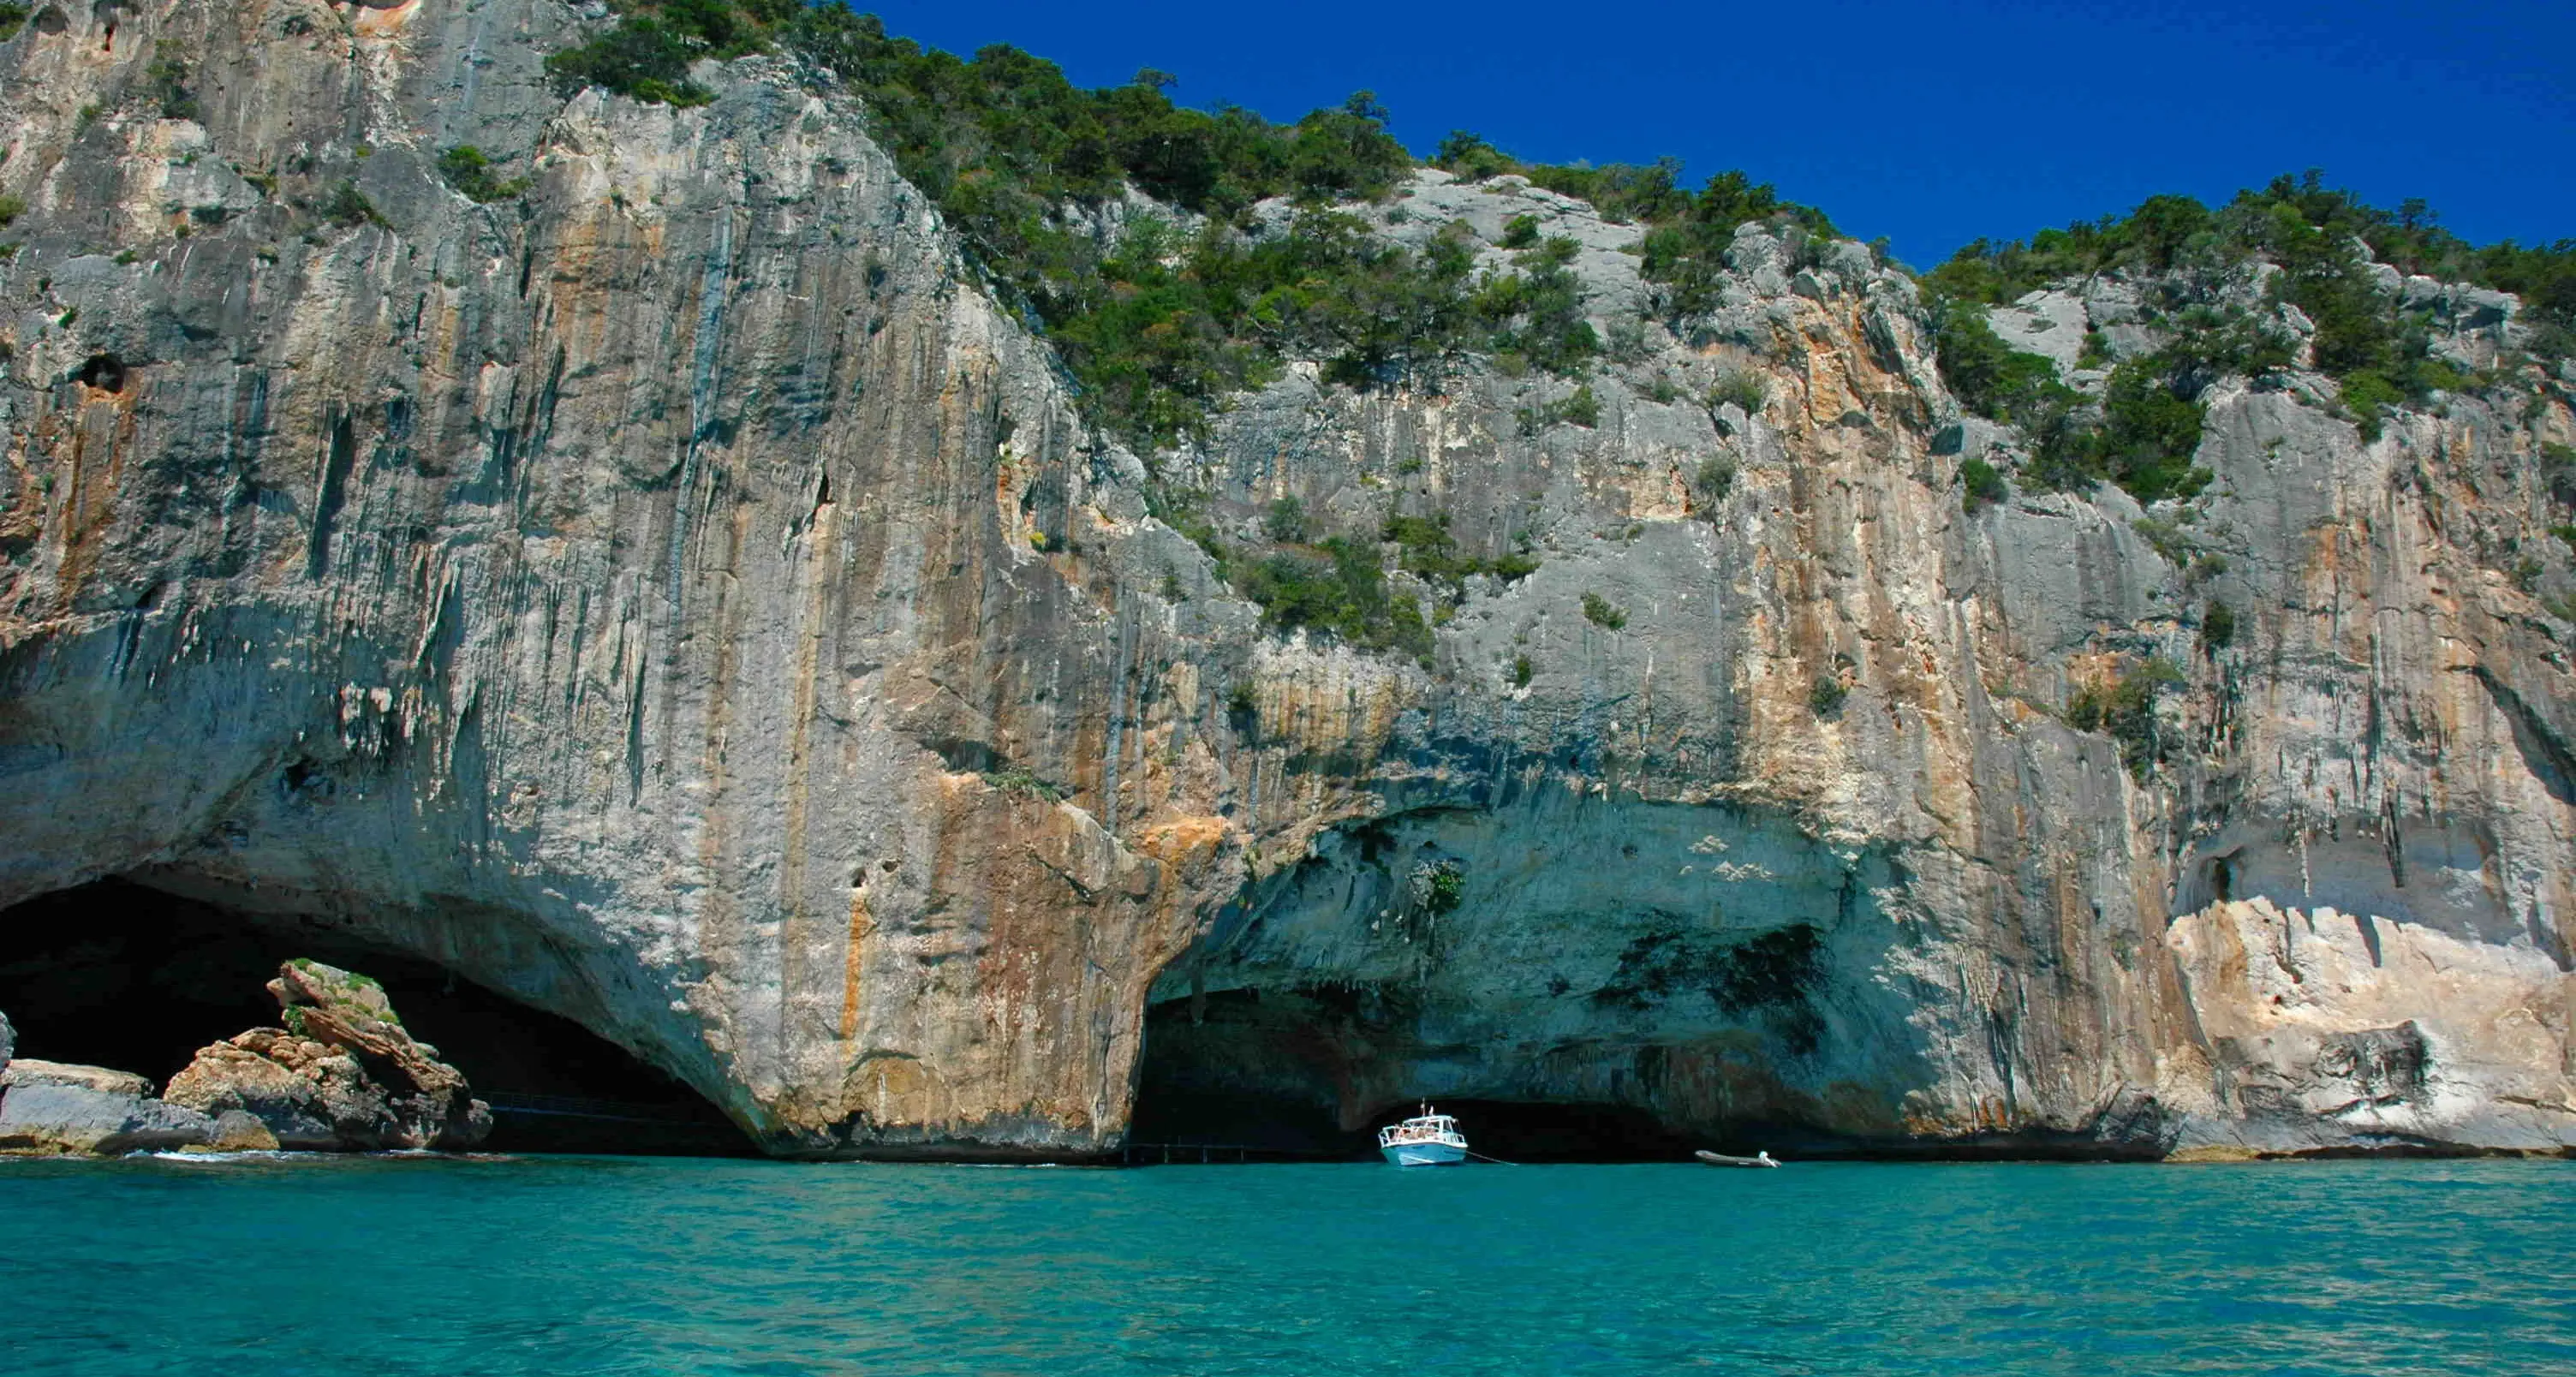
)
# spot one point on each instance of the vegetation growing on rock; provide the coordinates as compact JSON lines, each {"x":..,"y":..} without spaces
{"x":1338,"y":588}
{"x":1984,"y":484}
{"x":467,"y":169}
{"x":1688,"y":232}
{"x":2124,"y":707}
{"x":1712,"y":481}
{"x":1161,"y":310}
{"x":2296,"y":221}
{"x":2309,"y":240}
{"x":2217,"y":627}
{"x":1163,"y":306}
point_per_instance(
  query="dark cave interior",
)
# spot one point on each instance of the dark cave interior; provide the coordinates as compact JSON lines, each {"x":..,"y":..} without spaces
{"x":1257,"y":1077}
{"x":117,"y":974}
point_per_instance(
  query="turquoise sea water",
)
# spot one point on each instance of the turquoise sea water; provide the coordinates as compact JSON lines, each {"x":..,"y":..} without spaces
{"x":564,"y":1266}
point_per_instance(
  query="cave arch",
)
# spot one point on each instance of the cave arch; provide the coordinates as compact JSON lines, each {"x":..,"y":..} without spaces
{"x":1264,"y":1076}
{"x":117,"y":973}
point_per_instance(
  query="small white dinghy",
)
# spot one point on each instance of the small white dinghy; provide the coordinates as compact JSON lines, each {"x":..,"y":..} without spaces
{"x":1425,"y":1140}
{"x":1762,"y":1158}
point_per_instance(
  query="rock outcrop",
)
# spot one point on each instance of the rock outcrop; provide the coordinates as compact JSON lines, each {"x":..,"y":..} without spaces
{"x":341,"y":1076}
{"x":681,"y":598}
{"x":51,"y":1109}
{"x":26,"y":1071}
{"x":2321,"y":1026}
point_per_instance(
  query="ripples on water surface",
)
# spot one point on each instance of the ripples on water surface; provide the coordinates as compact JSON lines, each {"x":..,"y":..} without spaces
{"x":567,"y":1266}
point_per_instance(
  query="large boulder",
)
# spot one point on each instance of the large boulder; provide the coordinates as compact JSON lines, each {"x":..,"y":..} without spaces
{"x":53,"y":1108}
{"x":58,"y":1117}
{"x":342,"y":1075}
{"x":31,"y":1071}
{"x":8,"y":1043}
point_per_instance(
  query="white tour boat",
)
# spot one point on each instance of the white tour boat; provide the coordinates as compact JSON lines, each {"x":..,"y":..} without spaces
{"x":1425,"y":1140}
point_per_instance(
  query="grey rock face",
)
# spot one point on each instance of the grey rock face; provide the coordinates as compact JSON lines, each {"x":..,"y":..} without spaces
{"x":60,"y":1119}
{"x":658,"y":575}
{"x":683,"y":600}
{"x":2051,"y":324}
{"x":8,"y":1043}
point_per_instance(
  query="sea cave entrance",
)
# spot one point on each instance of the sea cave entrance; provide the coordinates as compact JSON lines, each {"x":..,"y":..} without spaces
{"x":1248,"y":1075}
{"x":122,"y":975}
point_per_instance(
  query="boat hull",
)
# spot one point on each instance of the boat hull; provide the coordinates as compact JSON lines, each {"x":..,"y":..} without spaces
{"x":1425,"y":1154}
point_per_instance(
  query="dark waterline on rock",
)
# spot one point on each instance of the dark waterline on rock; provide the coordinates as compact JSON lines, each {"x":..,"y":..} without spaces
{"x":564,"y":1266}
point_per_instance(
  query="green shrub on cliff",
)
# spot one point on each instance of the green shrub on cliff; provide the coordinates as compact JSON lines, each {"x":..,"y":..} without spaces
{"x":1983,"y":483}
{"x":1739,"y":388}
{"x":2151,"y":428}
{"x":1019,"y":780}
{"x":2411,"y":239}
{"x":465,"y":168}
{"x":2308,"y":229}
{"x":2147,"y":427}
{"x":2124,"y":708}
{"x":1424,"y":547}
{"x":1338,"y":590}
{"x":1439,"y":889}
{"x":2217,"y":627}
{"x":2365,"y":393}
{"x":2155,"y":237}
{"x":1713,"y":480}
{"x":1686,"y":249}
{"x":1990,"y":377}
{"x":1688,"y":233}
{"x":1285,"y":520}
{"x":165,"y":84}
{"x":1580,"y":407}
{"x":346,"y":205}
{"x":1155,"y":328}
{"x":1536,"y":312}
{"x":1603,"y":613}
{"x":643,"y":57}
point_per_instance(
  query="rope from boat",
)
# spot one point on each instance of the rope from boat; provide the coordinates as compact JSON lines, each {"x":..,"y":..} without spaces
{"x":1497,"y":1161}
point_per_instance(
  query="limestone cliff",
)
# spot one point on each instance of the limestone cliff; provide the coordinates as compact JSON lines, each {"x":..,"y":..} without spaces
{"x":679,"y":596}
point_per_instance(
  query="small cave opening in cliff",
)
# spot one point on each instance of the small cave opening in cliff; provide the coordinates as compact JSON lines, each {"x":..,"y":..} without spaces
{"x":1240,"y":1076}
{"x":105,"y":372}
{"x":122,"y":975}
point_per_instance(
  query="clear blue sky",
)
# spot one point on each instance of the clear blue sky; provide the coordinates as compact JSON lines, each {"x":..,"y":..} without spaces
{"x":1931,"y":124}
